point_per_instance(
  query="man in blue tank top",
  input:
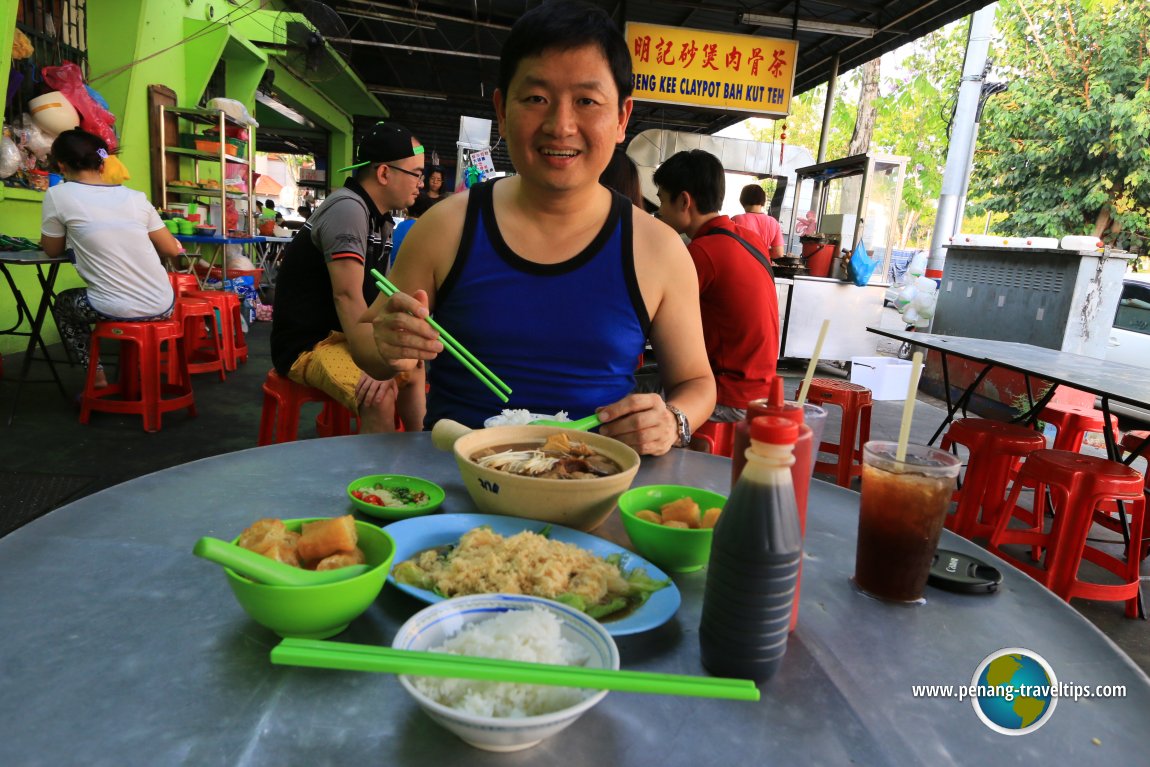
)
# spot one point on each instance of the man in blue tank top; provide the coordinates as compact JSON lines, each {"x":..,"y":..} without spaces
{"x":548,"y":277}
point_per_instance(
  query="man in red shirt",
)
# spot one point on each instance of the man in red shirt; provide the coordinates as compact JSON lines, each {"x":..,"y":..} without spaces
{"x":736,"y":286}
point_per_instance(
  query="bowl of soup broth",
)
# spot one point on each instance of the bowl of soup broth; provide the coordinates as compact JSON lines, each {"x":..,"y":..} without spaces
{"x":555,"y":475}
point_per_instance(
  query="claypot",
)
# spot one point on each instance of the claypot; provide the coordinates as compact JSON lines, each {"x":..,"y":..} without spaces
{"x":581,"y":504}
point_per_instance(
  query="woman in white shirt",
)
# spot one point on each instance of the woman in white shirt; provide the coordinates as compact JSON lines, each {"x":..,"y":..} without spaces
{"x":116,"y":235}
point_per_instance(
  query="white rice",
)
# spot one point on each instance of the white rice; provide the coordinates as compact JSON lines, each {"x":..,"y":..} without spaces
{"x":527,"y":635}
{"x":522,"y":418}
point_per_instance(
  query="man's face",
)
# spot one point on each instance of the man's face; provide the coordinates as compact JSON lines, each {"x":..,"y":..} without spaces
{"x":562,"y":118}
{"x":673,"y":211}
{"x":402,"y":180}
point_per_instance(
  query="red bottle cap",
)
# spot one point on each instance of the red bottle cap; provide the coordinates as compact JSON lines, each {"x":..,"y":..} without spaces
{"x":775,"y":405}
{"x":773,"y":430}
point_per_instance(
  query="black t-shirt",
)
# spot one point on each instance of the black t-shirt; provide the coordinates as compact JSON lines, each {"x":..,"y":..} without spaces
{"x":346,"y":225}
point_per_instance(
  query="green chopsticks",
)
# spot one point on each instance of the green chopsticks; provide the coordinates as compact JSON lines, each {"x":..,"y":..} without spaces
{"x":458,"y":350}
{"x":343,"y":656}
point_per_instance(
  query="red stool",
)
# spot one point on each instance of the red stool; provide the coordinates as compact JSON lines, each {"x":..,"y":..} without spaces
{"x":205,"y":350}
{"x":855,"y":402}
{"x":1073,"y":414}
{"x":995,"y":451}
{"x":1105,"y":515}
{"x":139,"y":389}
{"x":334,"y":420}
{"x":1078,"y":484}
{"x":283,"y":398}
{"x":719,"y":437}
{"x":228,"y":307}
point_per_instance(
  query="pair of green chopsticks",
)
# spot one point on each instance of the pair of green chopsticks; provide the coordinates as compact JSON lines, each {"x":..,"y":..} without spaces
{"x":318,"y":653}
{"x":466,"y":358}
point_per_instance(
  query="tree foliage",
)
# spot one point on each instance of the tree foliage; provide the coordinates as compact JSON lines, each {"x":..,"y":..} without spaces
{"x":1066,"y":150}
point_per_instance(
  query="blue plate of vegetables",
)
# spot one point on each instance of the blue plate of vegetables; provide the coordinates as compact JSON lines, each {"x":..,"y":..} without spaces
{"x":658,"y":598}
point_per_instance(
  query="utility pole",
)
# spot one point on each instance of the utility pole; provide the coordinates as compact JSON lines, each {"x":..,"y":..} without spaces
{"x":960,"y":153}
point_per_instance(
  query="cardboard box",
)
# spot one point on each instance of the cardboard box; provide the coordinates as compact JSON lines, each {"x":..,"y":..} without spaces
{"x":886,"y":377}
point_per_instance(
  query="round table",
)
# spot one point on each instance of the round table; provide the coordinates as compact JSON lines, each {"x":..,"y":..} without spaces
{"x":121,"y":648}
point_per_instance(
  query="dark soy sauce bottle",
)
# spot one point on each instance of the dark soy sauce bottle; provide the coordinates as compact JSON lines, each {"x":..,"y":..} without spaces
{"x":754,"y":565}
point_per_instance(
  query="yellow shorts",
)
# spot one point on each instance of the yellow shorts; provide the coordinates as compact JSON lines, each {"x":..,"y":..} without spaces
{"x":329,"y":368}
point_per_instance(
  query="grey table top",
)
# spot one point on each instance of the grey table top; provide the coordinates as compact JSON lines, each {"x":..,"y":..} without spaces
{"x":31,"y":257}
{"x":1113,"y":380}
{"x":121,"y":648}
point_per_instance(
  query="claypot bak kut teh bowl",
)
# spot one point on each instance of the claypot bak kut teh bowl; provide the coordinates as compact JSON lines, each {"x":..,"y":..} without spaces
{"x":582,"y":504}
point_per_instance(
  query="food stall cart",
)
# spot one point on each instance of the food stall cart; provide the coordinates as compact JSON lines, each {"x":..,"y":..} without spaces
{"x":854,"y":198}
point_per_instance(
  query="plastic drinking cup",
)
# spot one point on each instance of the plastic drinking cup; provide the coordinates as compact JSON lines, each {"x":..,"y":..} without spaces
{"x":901,"y":513}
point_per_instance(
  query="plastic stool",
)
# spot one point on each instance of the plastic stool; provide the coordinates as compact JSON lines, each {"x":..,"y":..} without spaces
{"x":183,"y":283}
{"x":995,"y":451}
{"x":334,"y":420}
{"x":855,"y":402}
{"x":1104,"y":515}
{"x":140,"y":389}
{"x":205,"y":350}
{"x":720,"y":437}
{"x":1078,"y":484}
{"x":1073,"y":422}
{"x":228,"y":322}
{"x":283,"y":398}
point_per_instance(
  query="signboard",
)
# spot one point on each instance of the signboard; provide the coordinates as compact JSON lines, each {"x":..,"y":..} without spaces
{"x":710,"y":69}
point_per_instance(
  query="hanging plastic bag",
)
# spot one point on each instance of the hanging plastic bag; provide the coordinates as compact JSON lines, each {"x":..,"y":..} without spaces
{"x":862,"y":266}
{"x":69,"y":80}
{"x":9,"y":157}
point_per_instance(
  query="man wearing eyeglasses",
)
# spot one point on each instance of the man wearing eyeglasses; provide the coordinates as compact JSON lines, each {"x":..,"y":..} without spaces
{"x":324,"y":285}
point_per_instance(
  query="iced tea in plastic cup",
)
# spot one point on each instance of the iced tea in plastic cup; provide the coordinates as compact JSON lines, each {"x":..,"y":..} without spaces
{"x":903,"y":507}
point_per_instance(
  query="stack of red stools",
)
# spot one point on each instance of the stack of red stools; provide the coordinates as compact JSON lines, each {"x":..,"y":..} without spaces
{"x":1078,"y":485}
{"x":204,"y":349}
{"x":996,"y":449}
{"x":228,"y":324}
{"x":855,"y":402}
{"x":140,"y":388}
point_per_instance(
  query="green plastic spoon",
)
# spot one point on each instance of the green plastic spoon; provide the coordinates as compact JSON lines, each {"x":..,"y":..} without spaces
{"x":583,"y":424}
{"x":259,"y":568}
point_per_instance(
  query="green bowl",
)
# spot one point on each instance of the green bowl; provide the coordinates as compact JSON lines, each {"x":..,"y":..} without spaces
{"x":435,"y":496}
{"x":318,"y":612}
{"x":673,"y":549}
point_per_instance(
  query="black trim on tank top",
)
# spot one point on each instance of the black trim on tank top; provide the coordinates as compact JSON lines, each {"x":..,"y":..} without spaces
{"x":517,"y":262}
{"x":470,"y":222}
{"x":625,"y":213}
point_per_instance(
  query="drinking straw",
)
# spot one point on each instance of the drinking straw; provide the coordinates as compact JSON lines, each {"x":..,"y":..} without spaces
{"x":318,"y":653}
{"x":458,"y":350}
{"x":802,"y":398}
{"x":908,"y":406}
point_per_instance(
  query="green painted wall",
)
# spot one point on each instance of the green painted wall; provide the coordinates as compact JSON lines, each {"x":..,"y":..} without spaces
{"x":136,"y":43}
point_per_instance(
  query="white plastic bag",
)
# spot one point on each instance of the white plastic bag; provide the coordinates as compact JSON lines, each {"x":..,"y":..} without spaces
{"x":10,"y":158}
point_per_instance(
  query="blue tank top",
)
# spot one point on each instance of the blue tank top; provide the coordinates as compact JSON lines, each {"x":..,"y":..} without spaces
{"x":563,"y":336}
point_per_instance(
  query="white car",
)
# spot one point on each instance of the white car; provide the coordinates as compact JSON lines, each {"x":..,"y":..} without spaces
{"x":1130,"y":337}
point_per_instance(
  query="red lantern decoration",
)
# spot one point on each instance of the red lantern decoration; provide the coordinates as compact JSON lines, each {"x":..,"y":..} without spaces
{"x":782,"y":142}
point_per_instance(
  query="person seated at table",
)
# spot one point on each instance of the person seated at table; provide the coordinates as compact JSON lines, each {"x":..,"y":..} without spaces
{"x":736,"y":285}
{"x":323,"y":287}
{"x":116,"y":235}
{"x":547,"y":276}
{"x":435,"y":190}
{"x":304,"y":212}
{"x":753,"y":197}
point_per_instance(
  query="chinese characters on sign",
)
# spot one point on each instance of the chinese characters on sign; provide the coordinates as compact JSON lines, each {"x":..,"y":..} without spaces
{"x":711,"y":69}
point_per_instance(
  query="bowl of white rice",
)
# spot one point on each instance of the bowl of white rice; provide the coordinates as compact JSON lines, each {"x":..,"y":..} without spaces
{"x":523,"y":418}
{"x":505,"y":716}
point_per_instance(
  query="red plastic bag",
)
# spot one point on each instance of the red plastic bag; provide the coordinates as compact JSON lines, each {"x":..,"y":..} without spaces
{"x":69,"y":80}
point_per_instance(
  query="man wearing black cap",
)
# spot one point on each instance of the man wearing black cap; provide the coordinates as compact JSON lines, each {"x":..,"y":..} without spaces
{"x":324,"y":287}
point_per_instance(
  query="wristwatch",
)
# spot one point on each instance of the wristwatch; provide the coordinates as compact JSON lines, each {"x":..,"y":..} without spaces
{"x":683,"y":426}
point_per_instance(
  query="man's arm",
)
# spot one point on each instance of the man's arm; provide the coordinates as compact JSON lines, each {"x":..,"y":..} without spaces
{"x":347,"y":292}
{"x":669,"y":284}
{"x":52,"y":246}
{"x":402,"y":334}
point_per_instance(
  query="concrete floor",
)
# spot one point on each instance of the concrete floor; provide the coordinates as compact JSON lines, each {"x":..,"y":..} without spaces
{"x":49,"y":458}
